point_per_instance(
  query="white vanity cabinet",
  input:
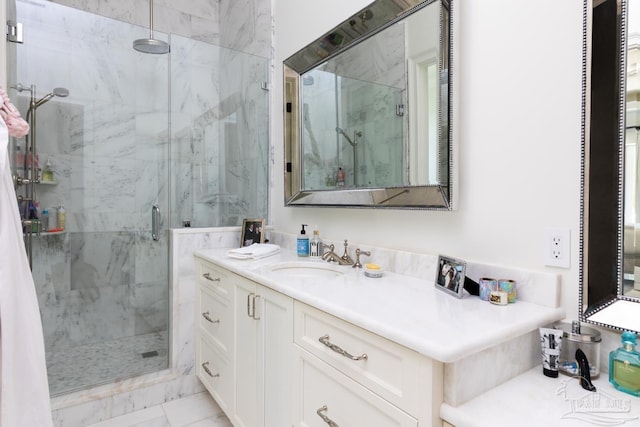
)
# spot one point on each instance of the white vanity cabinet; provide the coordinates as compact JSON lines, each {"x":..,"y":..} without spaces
{"x":244,"y":336}
{"x":349,"y":376}
{"x":285,"y":349}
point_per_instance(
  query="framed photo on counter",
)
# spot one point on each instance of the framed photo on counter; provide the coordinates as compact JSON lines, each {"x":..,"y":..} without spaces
{"x":450,"y":275}
{"x":252,"y":231}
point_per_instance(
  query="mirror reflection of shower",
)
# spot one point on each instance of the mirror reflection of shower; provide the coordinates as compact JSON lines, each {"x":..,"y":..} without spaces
{"x":354,"y":144}
{"x":28,"y":200}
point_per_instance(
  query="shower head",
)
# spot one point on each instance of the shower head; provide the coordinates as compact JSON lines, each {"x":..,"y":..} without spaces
{"x":151,"y":45}
{"x":307,"y":80}
{"x":59,"y":92}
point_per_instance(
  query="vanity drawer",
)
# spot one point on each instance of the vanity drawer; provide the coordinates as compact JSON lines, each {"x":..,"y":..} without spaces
{"x":401,"y":376}
{"x":215,"y":373}
{"x":322,"y":391}
{"x":214,"y":316}
{"x":216,"y":279}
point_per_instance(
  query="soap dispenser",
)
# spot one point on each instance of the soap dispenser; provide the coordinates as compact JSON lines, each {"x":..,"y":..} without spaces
{"x":47,"y":173}
{"x":624,"y":365}
{"x":303,"y":243}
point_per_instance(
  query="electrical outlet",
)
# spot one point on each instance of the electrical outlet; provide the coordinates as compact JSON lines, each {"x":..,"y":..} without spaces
{"x":557,"y":247}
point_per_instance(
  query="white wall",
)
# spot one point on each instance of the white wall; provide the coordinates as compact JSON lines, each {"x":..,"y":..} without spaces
{"x":519,"y":126}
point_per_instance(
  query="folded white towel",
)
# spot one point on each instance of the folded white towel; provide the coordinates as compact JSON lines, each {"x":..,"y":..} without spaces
{"x":255,"y":251}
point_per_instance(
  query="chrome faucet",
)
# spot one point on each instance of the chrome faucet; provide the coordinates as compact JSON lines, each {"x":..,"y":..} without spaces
{"x":345,"y":256}
{"x":331,"y":256}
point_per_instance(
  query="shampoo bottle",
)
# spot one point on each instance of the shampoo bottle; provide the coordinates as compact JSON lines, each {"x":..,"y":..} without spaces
{"x":62,"y":218}
{"x":624,"y":366}
{"x":44,"y":220}
{"x":303,"y":242}
{"x":315,"y":244}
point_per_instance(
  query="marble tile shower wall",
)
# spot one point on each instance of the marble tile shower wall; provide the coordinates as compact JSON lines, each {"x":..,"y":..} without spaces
{"x":243,"y":25}
{"x":227,"y":128}
{"x":220,"y":147}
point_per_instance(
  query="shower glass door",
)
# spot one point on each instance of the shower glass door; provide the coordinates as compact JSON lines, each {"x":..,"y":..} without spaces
{"x":102,"y":282}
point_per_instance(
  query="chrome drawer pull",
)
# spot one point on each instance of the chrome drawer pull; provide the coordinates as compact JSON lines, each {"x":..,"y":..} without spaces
{"x":326,"y":419}
{"x":208,"y":371}
{"x":206,"y":316}
{"x":325,"y":340}
{"x":208,"y":277}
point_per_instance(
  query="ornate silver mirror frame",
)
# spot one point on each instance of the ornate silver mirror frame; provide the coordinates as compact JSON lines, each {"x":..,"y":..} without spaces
{"x":609,"y":278}
{"x":379,"y":16}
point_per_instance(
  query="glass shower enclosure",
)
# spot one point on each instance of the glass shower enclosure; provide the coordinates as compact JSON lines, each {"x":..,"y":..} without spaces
{"x":137,"y":134}
{"x":102,"y":280}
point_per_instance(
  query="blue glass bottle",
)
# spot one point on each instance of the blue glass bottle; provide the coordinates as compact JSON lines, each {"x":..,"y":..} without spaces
{"x":624,"y":366}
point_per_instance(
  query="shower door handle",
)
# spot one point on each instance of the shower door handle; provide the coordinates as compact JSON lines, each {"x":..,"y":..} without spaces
{"x":155,"y":222}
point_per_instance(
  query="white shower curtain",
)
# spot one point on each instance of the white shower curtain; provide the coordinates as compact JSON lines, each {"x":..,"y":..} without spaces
{"x":24,"y":389}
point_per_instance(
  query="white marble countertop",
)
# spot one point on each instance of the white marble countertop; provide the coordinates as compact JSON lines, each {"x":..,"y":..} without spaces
{"x":531,"y":399}
{"x":406,"y":310}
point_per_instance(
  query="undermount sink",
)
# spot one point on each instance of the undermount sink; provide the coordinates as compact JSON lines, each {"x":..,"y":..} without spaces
{"x":310,"y":269}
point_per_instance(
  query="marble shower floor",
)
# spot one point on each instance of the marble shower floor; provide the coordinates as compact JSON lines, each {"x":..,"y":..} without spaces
{"x":76,"y":368}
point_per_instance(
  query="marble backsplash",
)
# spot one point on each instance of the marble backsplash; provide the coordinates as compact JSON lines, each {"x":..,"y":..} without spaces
{"x":533,"y":286}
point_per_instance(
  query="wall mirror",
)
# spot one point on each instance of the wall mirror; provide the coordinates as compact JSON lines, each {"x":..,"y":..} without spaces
{"x":368,"y":111}
{"x":610,"y":273}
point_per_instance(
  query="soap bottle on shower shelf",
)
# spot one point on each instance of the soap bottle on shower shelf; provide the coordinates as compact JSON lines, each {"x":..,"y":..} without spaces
{"x":47,"y":173}
{"x":340,"y":178}
{"x":62,"y":218}
{"x":34,"y":215}
{"x":44,"y":220}
{"x":624,"y":365}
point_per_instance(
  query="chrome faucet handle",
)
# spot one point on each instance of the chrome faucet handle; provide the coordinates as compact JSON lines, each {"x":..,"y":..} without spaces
{"x":327,"y":255}
{"x":345,"y":257}
{"x":358,"y":253}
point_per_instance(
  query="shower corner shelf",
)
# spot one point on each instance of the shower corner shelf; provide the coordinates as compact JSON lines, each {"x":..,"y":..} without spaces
{"x":52,"y":233}
{"x":48,"y":233}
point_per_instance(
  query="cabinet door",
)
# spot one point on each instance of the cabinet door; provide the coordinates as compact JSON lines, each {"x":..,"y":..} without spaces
{"x":275,"y":311}
{"x":324,"y":395}
{"x":246,"y":411}
{"x":264,"y":336}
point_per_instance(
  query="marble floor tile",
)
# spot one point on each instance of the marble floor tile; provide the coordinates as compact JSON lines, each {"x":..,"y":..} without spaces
{"x":149,"y":417}
{"x":191,"y":409}
{"x":198,"y":410}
